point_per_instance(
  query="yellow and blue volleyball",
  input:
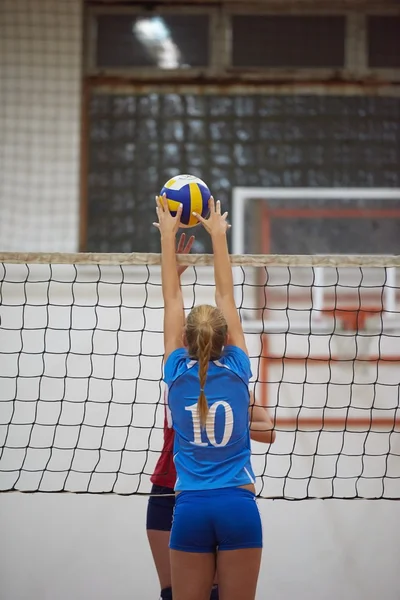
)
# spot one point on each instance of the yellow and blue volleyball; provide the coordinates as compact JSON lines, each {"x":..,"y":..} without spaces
{"x":192,"y":193}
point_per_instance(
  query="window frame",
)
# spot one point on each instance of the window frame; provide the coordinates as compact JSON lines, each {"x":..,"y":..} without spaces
{"x":356,"y":47}
{"x":216,"y":46}
{"x":379,"y":13}
{"x":290,"y":71}
{"x":356,"y":68}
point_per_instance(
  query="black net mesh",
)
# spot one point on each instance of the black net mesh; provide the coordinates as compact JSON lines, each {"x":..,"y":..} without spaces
{"x":81,"y":393}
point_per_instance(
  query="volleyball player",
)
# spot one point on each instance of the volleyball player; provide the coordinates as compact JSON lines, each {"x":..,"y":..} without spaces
{"x":162,"y":500}
{"x":216,"y":521}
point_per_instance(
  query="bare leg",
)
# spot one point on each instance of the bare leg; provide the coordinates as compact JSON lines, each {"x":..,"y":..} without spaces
{"x":192,"y":575}
{"x":159,"y":541}
{"x":238,"y":573}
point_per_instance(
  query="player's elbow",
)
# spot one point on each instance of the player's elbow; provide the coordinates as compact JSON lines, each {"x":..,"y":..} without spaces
{"x":263,"y":437}
{"x":263,"y":433}
{"x":218,"y":300}
{"x":173,"y":300}
{"x":225,"y":297}
{"x":261,"y":425}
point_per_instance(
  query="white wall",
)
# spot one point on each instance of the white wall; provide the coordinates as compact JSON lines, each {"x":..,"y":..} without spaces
{"x":84,"y":547}
{"x":40,"y":62}
{"x":78,"y":546}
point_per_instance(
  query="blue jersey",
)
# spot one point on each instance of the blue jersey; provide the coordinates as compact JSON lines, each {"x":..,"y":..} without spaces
{"x":219,"y":455}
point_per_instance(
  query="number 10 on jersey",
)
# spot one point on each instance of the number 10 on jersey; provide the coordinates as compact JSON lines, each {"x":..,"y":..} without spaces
{"x":210,"y":429}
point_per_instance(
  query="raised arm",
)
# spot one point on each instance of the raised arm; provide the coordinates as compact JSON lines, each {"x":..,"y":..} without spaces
{"x":217,"y":226}
{"x":174,"y":317}
{"x":261,"y":425}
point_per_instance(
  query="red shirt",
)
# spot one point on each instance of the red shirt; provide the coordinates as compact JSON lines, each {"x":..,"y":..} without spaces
{"x":165,"y":473}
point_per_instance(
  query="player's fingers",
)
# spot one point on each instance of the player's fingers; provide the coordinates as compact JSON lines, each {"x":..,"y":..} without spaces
{"x":178,"y":212}
{"x":189,"y":245}
{"x":157,"y":225}
{"x":165,"y":203}
{"x":181,"y":243}
{"x":160,"y":207}
{"x":199,"y":218}
{"x":211,"y":205}
{"x":218,"y":207}
{"x":225,"y":215}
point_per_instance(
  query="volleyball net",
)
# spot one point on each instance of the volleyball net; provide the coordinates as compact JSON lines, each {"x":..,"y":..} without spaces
{"x":81,"y":392}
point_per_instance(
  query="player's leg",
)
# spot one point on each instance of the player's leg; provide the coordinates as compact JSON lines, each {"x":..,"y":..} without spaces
{"x":192,"y":575}
{"x":239,"y":534}
{"x":159,"y":545}
{"x":238,"y":573}
{"x":193,"y":546}
{"x":160,"y":510}
{"x":159,"y":541}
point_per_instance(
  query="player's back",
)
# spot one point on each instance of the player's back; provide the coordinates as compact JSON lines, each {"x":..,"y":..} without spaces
{"x":218,"y":455}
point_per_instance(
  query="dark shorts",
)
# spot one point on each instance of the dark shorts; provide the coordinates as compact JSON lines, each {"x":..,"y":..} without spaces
{"x":160,"y":509}
{"x":223,"y":519}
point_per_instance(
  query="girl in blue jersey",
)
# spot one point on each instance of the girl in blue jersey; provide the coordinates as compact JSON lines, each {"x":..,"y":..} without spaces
{"x":216,"y":521}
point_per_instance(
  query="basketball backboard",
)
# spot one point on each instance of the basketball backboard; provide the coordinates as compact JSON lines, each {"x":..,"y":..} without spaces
{"x":323,"y":221}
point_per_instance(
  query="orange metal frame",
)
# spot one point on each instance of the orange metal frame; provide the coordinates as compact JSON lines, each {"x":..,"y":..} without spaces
{"x":352,"y":318}
{"x":323,"y":422}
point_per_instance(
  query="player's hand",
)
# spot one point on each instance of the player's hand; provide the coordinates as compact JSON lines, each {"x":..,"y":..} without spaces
{"x":167,"y":224}
{"x":182,"y":249}
{"x":216,"y":223}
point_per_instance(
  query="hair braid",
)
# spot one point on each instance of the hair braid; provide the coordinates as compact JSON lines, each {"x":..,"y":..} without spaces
{"x":204,"y":342}
{"x":205,"y":335}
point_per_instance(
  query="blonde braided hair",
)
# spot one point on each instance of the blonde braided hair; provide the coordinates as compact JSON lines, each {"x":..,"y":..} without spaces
{"x":205,"y":333}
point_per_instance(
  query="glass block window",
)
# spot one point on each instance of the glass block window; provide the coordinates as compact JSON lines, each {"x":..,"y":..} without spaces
{"x":138,"y":141}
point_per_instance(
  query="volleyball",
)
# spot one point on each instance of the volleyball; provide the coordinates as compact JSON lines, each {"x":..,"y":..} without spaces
{"x":192,"y":193}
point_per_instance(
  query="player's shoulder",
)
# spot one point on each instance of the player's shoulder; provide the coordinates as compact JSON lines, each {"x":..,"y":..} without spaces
{"x":176,"y":363}
{"x":234,"y":355}
{"x":237,"y":361}
{"x":176,"y":355}
{"x":234,"y":351}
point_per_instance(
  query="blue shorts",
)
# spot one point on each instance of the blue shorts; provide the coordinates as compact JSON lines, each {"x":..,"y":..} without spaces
{"x":211,"y":520}
{"x":160,"y":508}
